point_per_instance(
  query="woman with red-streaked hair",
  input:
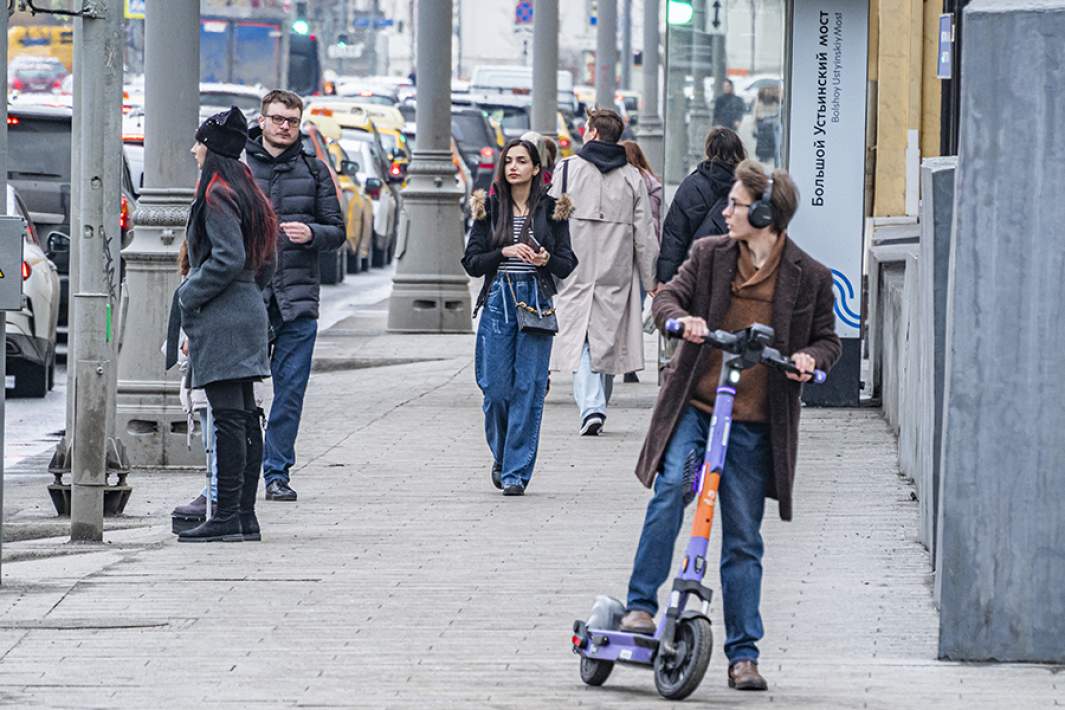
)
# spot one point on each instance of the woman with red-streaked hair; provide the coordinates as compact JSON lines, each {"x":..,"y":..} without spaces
{"x":231,"y":239}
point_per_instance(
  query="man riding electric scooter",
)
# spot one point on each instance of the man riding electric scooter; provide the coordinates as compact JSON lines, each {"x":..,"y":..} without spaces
{"x":756,"y":274}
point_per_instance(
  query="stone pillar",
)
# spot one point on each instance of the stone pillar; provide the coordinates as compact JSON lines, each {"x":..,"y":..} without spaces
{"x":430,"y":292}
{"x":150,"y":419}
{"x":545,"y":68}
{"x":1001,"y":527}
{"x":702,"y":58}
{"x":606,"y":53}
{"x":626,"y":45}
{"x":678,"y":63}
{"x":649,"y":128}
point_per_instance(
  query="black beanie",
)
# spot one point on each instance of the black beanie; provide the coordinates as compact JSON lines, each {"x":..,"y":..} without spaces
{"x":224,"y":133}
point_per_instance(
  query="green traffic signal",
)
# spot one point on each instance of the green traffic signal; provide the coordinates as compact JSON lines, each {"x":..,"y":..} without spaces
{"x":301,"y":26}
{"x":679,"y":12}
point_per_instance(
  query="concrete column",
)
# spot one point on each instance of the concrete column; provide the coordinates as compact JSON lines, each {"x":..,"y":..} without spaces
{"x":649,"y":128}
{"x":150,"y":419}
{"x":430,"y":292}
{"x":678,"y":63}
{"x":703,"y":57}
{"x":1001,"y":527}
{"x":98,"y":99}
{"x":606,"y":53}
{"x":545,"y":68}
{"x":626,"y":45}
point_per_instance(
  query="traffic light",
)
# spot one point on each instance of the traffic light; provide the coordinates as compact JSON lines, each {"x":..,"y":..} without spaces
{"x":300,"y":25}
{"x":679,"y":12}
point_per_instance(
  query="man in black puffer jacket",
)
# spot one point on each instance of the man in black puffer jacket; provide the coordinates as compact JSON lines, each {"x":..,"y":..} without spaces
{"x":696,"y":210}
{"x":304,"y":196}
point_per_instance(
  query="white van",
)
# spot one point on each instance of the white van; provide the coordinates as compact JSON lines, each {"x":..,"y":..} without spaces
{"x":516,"y":79}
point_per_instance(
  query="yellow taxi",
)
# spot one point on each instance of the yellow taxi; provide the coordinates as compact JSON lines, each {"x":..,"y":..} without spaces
{"x":386,"y":121}
{"x":322,"y":136}
{"x":566,"y":147}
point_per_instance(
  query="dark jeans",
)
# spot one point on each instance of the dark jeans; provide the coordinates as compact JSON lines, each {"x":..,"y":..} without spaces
{"x":511,"y":369}
{"x":741,"y":502}
{"x":290,"y":367}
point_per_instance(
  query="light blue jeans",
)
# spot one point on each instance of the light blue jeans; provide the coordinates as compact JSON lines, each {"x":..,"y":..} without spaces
{"x":207,"y":427}
{"x":591,"y":390}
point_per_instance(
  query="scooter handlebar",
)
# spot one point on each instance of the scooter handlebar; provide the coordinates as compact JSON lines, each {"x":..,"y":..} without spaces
{"x":723,"y":339}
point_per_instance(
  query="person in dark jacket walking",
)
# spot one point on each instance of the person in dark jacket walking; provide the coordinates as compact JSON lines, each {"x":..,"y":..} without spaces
{"x":729,"y":108}
{"x":756,"y":274}
{"x":697,"y":207}
{"x":230,"y":249}
{"x":519,"y":243}
{"x":304,"y":196}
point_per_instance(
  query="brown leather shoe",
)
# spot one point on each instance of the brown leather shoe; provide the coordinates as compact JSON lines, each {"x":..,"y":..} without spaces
{"x":638,"y":622}
{"x":744,"y":675}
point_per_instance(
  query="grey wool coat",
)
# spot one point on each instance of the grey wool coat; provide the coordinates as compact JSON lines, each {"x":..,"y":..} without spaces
{"x":221,"y":302}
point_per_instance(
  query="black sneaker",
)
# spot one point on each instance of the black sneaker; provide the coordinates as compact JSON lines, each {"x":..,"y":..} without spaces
{"x":513,"y":490}
{"x":592,"y":425}
{"x":497,"y":475}
{"x":279,"y":490}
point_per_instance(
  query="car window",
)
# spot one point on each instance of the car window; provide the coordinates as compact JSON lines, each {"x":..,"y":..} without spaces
{"x":511,"y":119}
{"x":470,"y":130}
{"x":247,"y":103}
{"x":38,"y":148}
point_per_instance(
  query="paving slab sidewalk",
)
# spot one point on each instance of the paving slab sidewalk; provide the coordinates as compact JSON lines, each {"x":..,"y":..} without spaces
{"x":403,"y":579}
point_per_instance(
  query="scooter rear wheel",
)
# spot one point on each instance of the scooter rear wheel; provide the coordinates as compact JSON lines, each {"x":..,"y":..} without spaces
{"x":595,"y":672}
{"x":677,"y":676}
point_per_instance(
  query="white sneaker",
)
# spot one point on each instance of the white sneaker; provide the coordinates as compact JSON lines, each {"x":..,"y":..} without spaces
{"x":593,"y":424}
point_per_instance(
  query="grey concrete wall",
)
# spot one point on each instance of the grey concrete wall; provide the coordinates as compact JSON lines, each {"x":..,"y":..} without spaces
{"x":1003,"y":461}
{"x":937,"y":216}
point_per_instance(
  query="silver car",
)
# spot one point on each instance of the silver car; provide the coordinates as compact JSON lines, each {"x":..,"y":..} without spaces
{"x":31,"y":332}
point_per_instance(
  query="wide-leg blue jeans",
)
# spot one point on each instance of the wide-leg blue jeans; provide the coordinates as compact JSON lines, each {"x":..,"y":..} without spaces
{"x":511,"y":371}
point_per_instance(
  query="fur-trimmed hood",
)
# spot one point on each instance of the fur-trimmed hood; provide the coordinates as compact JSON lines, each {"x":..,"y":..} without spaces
{"x":479,"y":206}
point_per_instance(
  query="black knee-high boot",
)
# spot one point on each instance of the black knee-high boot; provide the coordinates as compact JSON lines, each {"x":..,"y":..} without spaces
{"x":249,"y":524}
{"x":231,"y":451}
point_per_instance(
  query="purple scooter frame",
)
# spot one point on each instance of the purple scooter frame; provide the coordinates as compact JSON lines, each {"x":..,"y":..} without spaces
{"x":679,"y":651}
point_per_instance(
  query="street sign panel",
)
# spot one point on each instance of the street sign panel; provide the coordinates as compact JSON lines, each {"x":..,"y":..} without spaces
{"x":716,"y":14}
{"x":135,"y":9}
{"x":945,"y":61}
{"x":523,"y":12}
{"x":11,"y":229}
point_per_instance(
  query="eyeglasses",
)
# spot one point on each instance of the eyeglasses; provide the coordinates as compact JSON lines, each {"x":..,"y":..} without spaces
{"x":733,"y":204}
{"x":282,"y":120}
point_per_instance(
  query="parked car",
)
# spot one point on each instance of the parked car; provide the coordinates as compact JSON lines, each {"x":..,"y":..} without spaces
{"x":362,"y":147}
{"x":332,"y":263}
{"x":357,"y":206}
{"x":511,"y":112}
{"x":39,"y":143}
{"x":476,"y":140}
{"x":32,"y":74}
{"x":32,"y":331}
{"x":216,"y":97}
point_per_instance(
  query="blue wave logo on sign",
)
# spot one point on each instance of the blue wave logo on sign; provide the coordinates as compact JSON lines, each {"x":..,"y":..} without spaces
{"x":844,"y":296}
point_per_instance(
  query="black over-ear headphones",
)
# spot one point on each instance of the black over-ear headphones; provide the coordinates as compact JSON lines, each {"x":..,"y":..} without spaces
{"x":760,"y":214}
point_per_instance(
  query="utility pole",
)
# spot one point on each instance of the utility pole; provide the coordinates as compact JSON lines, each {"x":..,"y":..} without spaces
{"x":702,"y":55}
{"x":3,"y":315}
{"x":372,"y":42}
{"x":99,"y":41}
{"x":606,"y":50}
{"x":545,"y":68}
{"x":148,"y":406}
{"x":626,"y":46}
{"x":430,"y":292}
{"x":649,"y":127}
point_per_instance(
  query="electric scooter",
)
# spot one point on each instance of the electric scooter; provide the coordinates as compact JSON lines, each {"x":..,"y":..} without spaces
{"x":679,"y":650}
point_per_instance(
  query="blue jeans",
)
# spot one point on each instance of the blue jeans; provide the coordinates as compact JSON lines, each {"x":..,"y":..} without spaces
{"x":290,"y":368}
{"x":591,"y":390}
{"x":741,"y":502}
{"x":511,"y":371}
{"x":207,"y":427}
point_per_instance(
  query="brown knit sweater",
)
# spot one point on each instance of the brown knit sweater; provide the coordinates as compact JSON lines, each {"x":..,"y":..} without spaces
{"x":752,"y":302}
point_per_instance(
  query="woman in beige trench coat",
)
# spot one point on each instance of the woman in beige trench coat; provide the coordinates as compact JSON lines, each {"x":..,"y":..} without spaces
{"x":614,"y":240}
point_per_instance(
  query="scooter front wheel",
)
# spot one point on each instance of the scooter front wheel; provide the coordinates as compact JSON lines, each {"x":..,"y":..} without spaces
{"x":677,"y":676}
{"x":595,"y":672}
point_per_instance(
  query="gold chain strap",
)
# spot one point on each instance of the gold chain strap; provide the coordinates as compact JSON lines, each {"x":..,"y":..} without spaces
{"x":523,"y":305}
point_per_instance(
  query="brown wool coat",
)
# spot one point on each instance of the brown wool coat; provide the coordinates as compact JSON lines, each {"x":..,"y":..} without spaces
{"x":803,"y":320}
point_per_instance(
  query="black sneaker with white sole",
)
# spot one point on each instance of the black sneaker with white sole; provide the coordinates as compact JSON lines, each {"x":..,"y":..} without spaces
{"x":497,"y":475}
{"x":592,"y":425}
